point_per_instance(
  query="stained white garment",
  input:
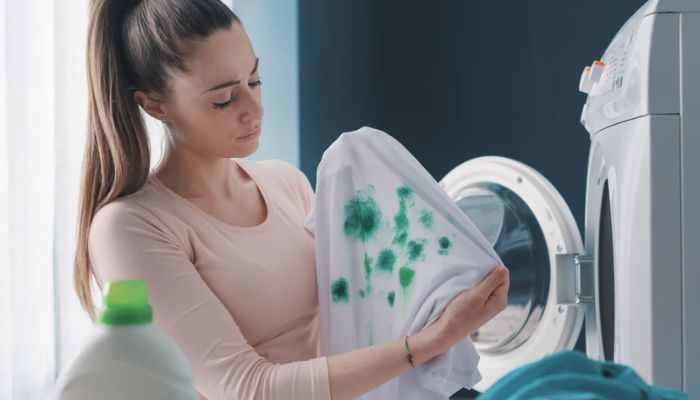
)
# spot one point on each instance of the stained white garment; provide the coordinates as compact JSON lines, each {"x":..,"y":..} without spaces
{"x":392,"y":249}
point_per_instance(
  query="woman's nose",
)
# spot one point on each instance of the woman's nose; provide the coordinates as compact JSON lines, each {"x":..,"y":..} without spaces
{"x":252,"y":108}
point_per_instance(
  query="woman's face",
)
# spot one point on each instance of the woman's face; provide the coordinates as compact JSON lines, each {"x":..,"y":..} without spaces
{"x":215,"y":108}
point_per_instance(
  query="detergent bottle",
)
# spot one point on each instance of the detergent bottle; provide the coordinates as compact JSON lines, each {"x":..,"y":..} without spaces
{"x":127,"y":357}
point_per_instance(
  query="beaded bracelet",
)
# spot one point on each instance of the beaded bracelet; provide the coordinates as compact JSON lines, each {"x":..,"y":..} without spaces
{"x":409,"y":356}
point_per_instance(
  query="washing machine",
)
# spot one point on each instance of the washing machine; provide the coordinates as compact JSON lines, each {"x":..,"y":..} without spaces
{"x":632,"y":283}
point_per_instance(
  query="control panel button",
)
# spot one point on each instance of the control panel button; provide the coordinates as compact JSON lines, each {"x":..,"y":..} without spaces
{"x":597,"y":71}
{"x":585,"y":84}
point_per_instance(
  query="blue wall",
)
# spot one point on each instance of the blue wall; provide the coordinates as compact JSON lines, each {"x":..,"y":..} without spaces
{"x":272,"y":26}
{"x":456,"y":79}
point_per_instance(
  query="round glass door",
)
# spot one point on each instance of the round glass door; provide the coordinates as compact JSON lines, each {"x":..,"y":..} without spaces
{"x":528,"y":224}
{"x":512,"y":229}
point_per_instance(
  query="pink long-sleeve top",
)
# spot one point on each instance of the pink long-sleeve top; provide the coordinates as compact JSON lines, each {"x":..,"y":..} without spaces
{"x":241,"y":302}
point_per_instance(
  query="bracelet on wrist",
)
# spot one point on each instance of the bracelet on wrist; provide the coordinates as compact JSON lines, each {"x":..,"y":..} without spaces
{"x":409,"y":355}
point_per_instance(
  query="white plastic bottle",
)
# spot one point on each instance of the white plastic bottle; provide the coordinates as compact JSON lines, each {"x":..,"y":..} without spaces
{"x":127,"y":357}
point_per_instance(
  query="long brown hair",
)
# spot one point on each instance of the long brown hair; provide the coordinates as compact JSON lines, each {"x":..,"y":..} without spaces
{"x":131,"y":44}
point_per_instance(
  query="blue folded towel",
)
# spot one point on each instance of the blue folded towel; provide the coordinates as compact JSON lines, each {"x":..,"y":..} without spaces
{"x":571,"y":375}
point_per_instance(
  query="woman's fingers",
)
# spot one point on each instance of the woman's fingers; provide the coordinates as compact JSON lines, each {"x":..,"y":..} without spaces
{"x":495,"y":278}
{"x":500,"y":295}
{"x":502,"y":289}
{"x":497,"y":299}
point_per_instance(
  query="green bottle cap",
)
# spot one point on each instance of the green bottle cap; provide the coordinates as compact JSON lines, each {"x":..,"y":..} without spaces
{"x":126,"y":303}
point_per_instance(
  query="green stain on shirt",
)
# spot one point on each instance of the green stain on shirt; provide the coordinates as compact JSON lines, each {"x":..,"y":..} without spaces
{"x":426,"y":218}
{"x":406,"y":277}
{"x":403,"y":192}
{"x":401,"y":222}
{"x":340,"y":290}
{"x":445,"y":244}
{"x":415,"y":249}
{"x":386,"y":260}
{"x":361,"y":293}
{"x":368,"y":266}
{"x":390,"y":297}
{"x":362,"y":216}
{"x":368,"y":274}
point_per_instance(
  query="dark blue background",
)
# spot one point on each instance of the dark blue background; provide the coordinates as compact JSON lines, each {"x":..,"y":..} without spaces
{"x":454,"y":80}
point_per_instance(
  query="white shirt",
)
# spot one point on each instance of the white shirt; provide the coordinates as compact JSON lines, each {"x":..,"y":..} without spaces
{"x":392,"y":250}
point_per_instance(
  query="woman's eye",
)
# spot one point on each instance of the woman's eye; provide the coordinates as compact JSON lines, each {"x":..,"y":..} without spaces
{"x":225,"y":104}
{"x":230,"y":101}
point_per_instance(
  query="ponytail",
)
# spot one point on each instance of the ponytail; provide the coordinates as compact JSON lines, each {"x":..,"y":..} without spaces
{"x":131,"y":44}
{"x":117,"y":157}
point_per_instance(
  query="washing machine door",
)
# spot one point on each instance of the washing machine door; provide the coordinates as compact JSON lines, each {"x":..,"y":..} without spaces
{"x":533,"y":231}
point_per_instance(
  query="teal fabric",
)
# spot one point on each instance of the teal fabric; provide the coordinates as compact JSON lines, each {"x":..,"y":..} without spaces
{"x":570,"y":375}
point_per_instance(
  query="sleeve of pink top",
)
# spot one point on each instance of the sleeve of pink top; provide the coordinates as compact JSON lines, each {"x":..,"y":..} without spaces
{"x":309,"y":196}
{"x":127,"y":241}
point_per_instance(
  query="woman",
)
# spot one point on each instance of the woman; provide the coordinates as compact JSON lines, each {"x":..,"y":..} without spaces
{"x":219,"y":241}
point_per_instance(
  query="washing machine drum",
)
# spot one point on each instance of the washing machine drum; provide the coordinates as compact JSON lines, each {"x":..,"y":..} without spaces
{"x":529,"y":225}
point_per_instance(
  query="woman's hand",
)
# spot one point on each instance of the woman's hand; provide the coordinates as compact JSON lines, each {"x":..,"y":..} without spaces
{"x":474,"y":307}
{"x":354,"y":373}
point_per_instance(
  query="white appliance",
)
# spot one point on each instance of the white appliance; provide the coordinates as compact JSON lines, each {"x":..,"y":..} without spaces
{"x":635,"y":278}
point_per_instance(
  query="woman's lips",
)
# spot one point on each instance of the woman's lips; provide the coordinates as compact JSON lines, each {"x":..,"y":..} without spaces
{"x":250,"y":136}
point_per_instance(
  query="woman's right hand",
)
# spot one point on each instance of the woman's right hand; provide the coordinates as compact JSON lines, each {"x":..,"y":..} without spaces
{"x":472,"y":308}
{"x":355,"y":373}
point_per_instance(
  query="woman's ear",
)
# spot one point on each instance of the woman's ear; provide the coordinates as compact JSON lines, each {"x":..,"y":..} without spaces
{"x":152,"y":103}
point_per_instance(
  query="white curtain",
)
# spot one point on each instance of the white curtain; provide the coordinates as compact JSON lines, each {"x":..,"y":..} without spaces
{"x":43,"y":114}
